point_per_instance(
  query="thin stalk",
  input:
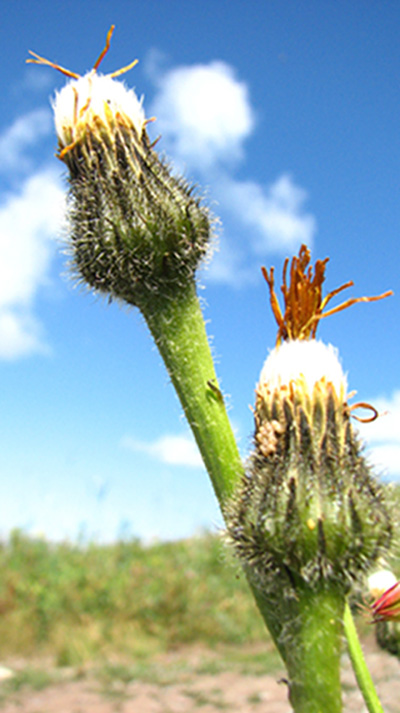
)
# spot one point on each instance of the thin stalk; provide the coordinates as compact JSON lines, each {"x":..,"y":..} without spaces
{"x":360,"y":669}
{"x":177,"y":325}
{"x":313,"y":651}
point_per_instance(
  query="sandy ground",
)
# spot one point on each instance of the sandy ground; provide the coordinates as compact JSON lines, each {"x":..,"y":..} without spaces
{"x":206,"y":693}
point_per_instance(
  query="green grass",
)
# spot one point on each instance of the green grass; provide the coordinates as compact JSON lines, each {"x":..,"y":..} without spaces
{"x":79,"y":603}
{"x":182,"y":668}
{"x":253,"y":661}
{"x":122,"y":613}
{"x":126,"y":612}
{"x":27,"y":679}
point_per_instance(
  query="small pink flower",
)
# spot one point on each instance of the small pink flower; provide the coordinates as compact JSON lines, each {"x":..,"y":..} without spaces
{"x":387,"y":607}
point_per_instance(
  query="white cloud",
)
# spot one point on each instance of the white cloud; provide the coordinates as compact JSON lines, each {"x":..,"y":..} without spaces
{"x":204,"y":114}
{"x":29,"y":222}
{"x":23,"y":133}
{"x":20,"y":334}
{"x":275,"y":213}
{"x":227,"y":265}
{"x":383,"y":436}
{"x":169,"y":449}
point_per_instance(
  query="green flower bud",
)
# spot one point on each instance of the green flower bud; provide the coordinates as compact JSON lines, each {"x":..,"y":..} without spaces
{"x":308,"y":504}
{"x":135,"y":229}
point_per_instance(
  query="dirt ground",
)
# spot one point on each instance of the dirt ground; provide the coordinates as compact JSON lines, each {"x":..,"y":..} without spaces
{"x":207,"y":693}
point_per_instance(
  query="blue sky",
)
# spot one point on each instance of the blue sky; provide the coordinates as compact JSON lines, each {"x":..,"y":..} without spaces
{"x":287,"y":116}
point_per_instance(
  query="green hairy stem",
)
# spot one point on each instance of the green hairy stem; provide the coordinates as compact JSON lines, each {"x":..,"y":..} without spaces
{"x":177,"y":326}
{"x":313,"y":657}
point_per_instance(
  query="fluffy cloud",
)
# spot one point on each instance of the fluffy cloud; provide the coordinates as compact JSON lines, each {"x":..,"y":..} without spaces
{"x":274,"y":213}
{"x":20,"y":334}
{"x":22,"y":134}
{"x":383,"y":436}
{"x":29,"y":222}
{"x":204,"y":115}
{"x":169,"y":449}
{"x":30,"y":218}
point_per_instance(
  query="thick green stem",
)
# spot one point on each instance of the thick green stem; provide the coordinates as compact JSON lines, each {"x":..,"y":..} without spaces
{"x":361,"y":671}
{"x":177,"y":325}
{"x":313,"y":650}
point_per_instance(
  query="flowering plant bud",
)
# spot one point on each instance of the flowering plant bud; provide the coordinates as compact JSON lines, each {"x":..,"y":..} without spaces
{"x":135,"y":229}
{"x":387,"y":607}
{"x":379,"y":582}
{"x":308,"y":503}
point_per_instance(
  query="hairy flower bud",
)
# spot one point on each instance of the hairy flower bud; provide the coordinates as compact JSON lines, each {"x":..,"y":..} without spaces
{"x":135,"y":228}
{"x":308,"y":503}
